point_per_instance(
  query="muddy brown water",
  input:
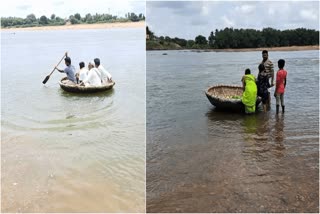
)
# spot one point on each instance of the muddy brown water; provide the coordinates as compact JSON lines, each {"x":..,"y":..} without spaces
{"x":203,"y":160}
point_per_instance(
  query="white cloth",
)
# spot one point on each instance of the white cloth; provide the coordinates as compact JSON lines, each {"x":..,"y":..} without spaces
{"x":91,"y":63}
{"x":92,"y":78}
{"x":83,"y":73}
{"x":105,"y":75}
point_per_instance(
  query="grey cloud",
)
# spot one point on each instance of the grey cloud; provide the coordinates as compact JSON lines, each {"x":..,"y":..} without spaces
{"x":170,"y":5}
{"x":183,"y":8}
{"x":189,"y":19}
{"x":58,"y":3}
{"x":24,"y":7}
{"x":308,"y":15}
{"x":199,"y":22}
{"x":245,"y":8}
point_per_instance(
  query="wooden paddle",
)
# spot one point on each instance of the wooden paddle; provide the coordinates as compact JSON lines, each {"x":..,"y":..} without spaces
{"x":47,"y":77}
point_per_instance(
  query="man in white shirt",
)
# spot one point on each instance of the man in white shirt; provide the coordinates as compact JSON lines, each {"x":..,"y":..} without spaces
{"x":105,"y":75}
{"x":82,"y":73}
{"x":92,"y":79}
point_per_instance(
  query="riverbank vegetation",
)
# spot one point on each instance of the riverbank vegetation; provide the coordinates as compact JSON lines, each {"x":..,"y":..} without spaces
{"x":236,"y":39}
{"x":32,"y":21}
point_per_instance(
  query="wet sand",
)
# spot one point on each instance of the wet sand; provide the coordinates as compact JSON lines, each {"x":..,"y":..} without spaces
{"x":81,"y":26}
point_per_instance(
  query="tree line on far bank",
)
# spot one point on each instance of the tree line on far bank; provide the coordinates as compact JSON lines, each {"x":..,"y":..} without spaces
{"x":237,"y":38}
{"x":32,"y":21}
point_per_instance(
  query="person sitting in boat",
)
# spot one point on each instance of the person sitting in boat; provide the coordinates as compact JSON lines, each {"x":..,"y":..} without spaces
{"x":93,"y":78}
{"x":263,"y":86}
{"x":83,"y":72}
{"x":249,"y":96}
{"x":69,"y":70}
{"x":105,"y":75}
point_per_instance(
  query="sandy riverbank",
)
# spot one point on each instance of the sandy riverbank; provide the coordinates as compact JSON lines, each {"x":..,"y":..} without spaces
{"x":289,"y":48}
{"x":81,"y":26}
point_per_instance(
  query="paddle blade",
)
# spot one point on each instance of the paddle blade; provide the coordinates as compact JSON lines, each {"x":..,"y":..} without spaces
{"x":46,"y":79}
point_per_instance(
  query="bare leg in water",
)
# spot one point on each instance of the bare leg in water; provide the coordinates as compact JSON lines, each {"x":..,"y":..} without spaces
{"x":268,"y":104}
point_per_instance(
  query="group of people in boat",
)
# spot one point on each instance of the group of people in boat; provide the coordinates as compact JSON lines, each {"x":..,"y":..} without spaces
{"x":94,"y":75}
{"x":253,"y":87}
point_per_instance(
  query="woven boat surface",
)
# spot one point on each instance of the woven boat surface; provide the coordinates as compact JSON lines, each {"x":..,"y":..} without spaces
{"x":84,"y":89}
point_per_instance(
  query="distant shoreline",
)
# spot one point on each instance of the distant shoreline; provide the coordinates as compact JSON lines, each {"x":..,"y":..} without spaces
{"x":81,"y":26}
{"x":288,"y":48}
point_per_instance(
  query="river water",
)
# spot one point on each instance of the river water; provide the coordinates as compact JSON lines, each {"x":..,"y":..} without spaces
{"x":203,"y":160}
{"x":65,"y":152}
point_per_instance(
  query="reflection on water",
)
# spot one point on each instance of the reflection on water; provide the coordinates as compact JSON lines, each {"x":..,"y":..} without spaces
{"x":250,"y":124}
{"x":259,"y":131}
{"x":203,"y":160}
{"x":279,"y":127}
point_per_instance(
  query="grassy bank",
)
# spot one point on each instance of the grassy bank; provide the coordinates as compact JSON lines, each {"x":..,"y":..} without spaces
{"x":156,"y":45}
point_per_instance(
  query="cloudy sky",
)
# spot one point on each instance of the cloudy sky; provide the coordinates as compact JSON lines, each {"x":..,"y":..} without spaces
{"x":187,"y":19}
{"x":64,"y":8}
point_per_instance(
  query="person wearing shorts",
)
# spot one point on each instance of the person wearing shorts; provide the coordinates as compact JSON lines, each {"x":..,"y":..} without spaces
{"x":281,"y":81}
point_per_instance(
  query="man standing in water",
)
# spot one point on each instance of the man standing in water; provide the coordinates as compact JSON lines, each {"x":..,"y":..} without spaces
{"x":69,"y":70}
{"x":270,"y":73}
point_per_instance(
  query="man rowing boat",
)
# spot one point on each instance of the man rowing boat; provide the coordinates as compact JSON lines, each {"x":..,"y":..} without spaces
{"x":69,"y":70}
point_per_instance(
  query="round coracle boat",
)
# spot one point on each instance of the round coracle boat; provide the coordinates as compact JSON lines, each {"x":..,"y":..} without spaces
{"x":227,"y":97}
{"x":84,"y":89}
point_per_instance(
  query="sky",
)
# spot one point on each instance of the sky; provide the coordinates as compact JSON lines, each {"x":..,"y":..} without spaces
{"x":65,"y":8}
{"x":188,"y":19}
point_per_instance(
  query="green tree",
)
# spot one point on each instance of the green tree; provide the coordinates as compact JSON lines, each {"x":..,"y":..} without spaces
{"x":31,"y":18}
{"x":43,"y":20}
{"x":53,"y":16}
{"x":150,"y":33}
{"x":181,"y":42}
{"x":201,"y":40}
{"x":134,"y":17}
{"x":211,"y":39}
{"x":161,"y":39}
{"x":167,"y":39}
{"x":271,"y":37}
{"x":58,"y":19}
{"x":88,"y":18}
{"x":141,"y":16}
{"x":73,"y":21}
{"x":77,"y":16}
{"x":190,"y":44}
